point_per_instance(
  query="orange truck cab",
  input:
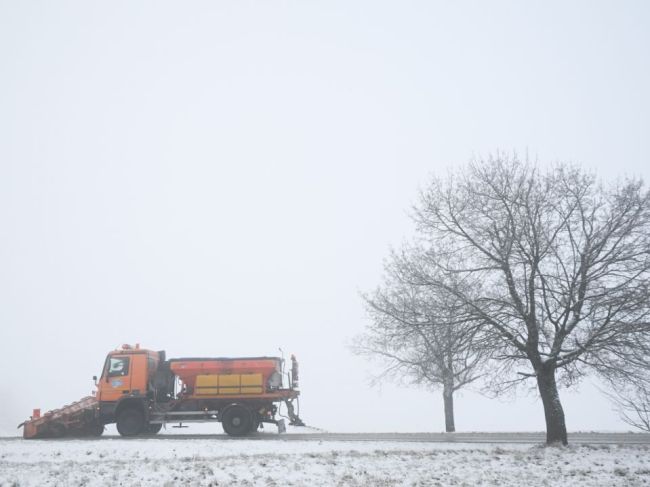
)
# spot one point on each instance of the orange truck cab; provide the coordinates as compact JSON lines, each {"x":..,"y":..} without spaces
{"x":126,"y":372}
{"x":140,"y":391}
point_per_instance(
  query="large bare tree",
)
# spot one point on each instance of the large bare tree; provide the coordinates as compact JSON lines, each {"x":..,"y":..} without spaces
{"x":421,"y":335}
{"x":559,"y":265}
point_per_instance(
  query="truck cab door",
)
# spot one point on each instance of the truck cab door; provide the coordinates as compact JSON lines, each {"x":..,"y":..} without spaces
{"x":139,"y":374}
{"x":116,"y":379}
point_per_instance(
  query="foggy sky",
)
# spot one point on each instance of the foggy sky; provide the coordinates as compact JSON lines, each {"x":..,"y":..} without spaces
{"x":225,"y":178}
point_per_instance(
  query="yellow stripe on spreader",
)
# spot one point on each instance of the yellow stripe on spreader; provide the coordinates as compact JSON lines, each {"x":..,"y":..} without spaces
{"x":207,"y":380}
{"x":251,"y":380}
{"x":213,"y":384}
{"x":229,"y":390}
{"x":229,"y":380}
{"x":206,"y":391}
{"x":251,"y":390}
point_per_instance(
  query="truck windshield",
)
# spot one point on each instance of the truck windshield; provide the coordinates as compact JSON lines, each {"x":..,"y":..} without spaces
{"x":118,"y":366}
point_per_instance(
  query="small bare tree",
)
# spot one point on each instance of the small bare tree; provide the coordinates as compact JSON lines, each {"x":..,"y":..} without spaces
{"x":629,"y":388}
{"x":421,"y":335}
{"x":633,"y":404}
{"x":560,"y":267}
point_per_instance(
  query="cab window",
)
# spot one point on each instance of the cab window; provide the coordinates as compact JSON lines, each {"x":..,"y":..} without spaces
{"x":118,"y":366}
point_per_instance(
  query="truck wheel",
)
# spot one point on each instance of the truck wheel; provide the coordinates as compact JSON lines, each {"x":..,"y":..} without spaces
{"x":130,"y":422}
{"x":96,"y":429}
{"x":153,"y":429}
{"x":237,"y":421}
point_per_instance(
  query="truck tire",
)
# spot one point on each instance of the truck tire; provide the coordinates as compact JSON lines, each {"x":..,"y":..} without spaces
{"x":95,"y":429}
{"x":255,"y":422}
{"x":130,"y":422}
{"x":153,"y":429}
{"x":237,"y":421}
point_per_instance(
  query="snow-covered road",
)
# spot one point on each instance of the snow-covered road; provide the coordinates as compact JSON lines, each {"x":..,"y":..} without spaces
{"x":493,"y":438}
{"x":209,"y":461}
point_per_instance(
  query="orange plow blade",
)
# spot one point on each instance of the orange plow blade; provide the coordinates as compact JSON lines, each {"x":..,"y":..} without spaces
{"x":76,"y":419}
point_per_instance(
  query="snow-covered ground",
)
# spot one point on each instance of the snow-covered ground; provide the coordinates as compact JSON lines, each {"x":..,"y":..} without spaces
{"x":249,"y":462}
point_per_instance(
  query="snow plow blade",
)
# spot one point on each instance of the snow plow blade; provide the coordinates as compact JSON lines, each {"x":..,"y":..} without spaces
{"x":76,"y":419}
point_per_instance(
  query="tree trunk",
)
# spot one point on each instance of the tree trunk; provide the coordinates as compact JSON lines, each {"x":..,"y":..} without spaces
{"x":553,"y":412}
{"x":448,"y":396}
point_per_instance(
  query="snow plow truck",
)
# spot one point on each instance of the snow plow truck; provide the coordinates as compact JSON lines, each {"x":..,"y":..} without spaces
{"x":141,"y":390}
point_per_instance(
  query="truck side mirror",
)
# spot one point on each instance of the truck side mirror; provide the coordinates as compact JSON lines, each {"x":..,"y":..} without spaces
{"x":95,"y":379}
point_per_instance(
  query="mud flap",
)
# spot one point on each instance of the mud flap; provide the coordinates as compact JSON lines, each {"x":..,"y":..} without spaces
{"x":282,"y":427}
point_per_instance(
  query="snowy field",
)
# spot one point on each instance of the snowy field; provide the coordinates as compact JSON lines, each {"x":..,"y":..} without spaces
{"x":247,"y":462}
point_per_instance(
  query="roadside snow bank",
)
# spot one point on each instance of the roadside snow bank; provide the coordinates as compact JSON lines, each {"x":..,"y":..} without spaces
{"x":159,"y":462}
